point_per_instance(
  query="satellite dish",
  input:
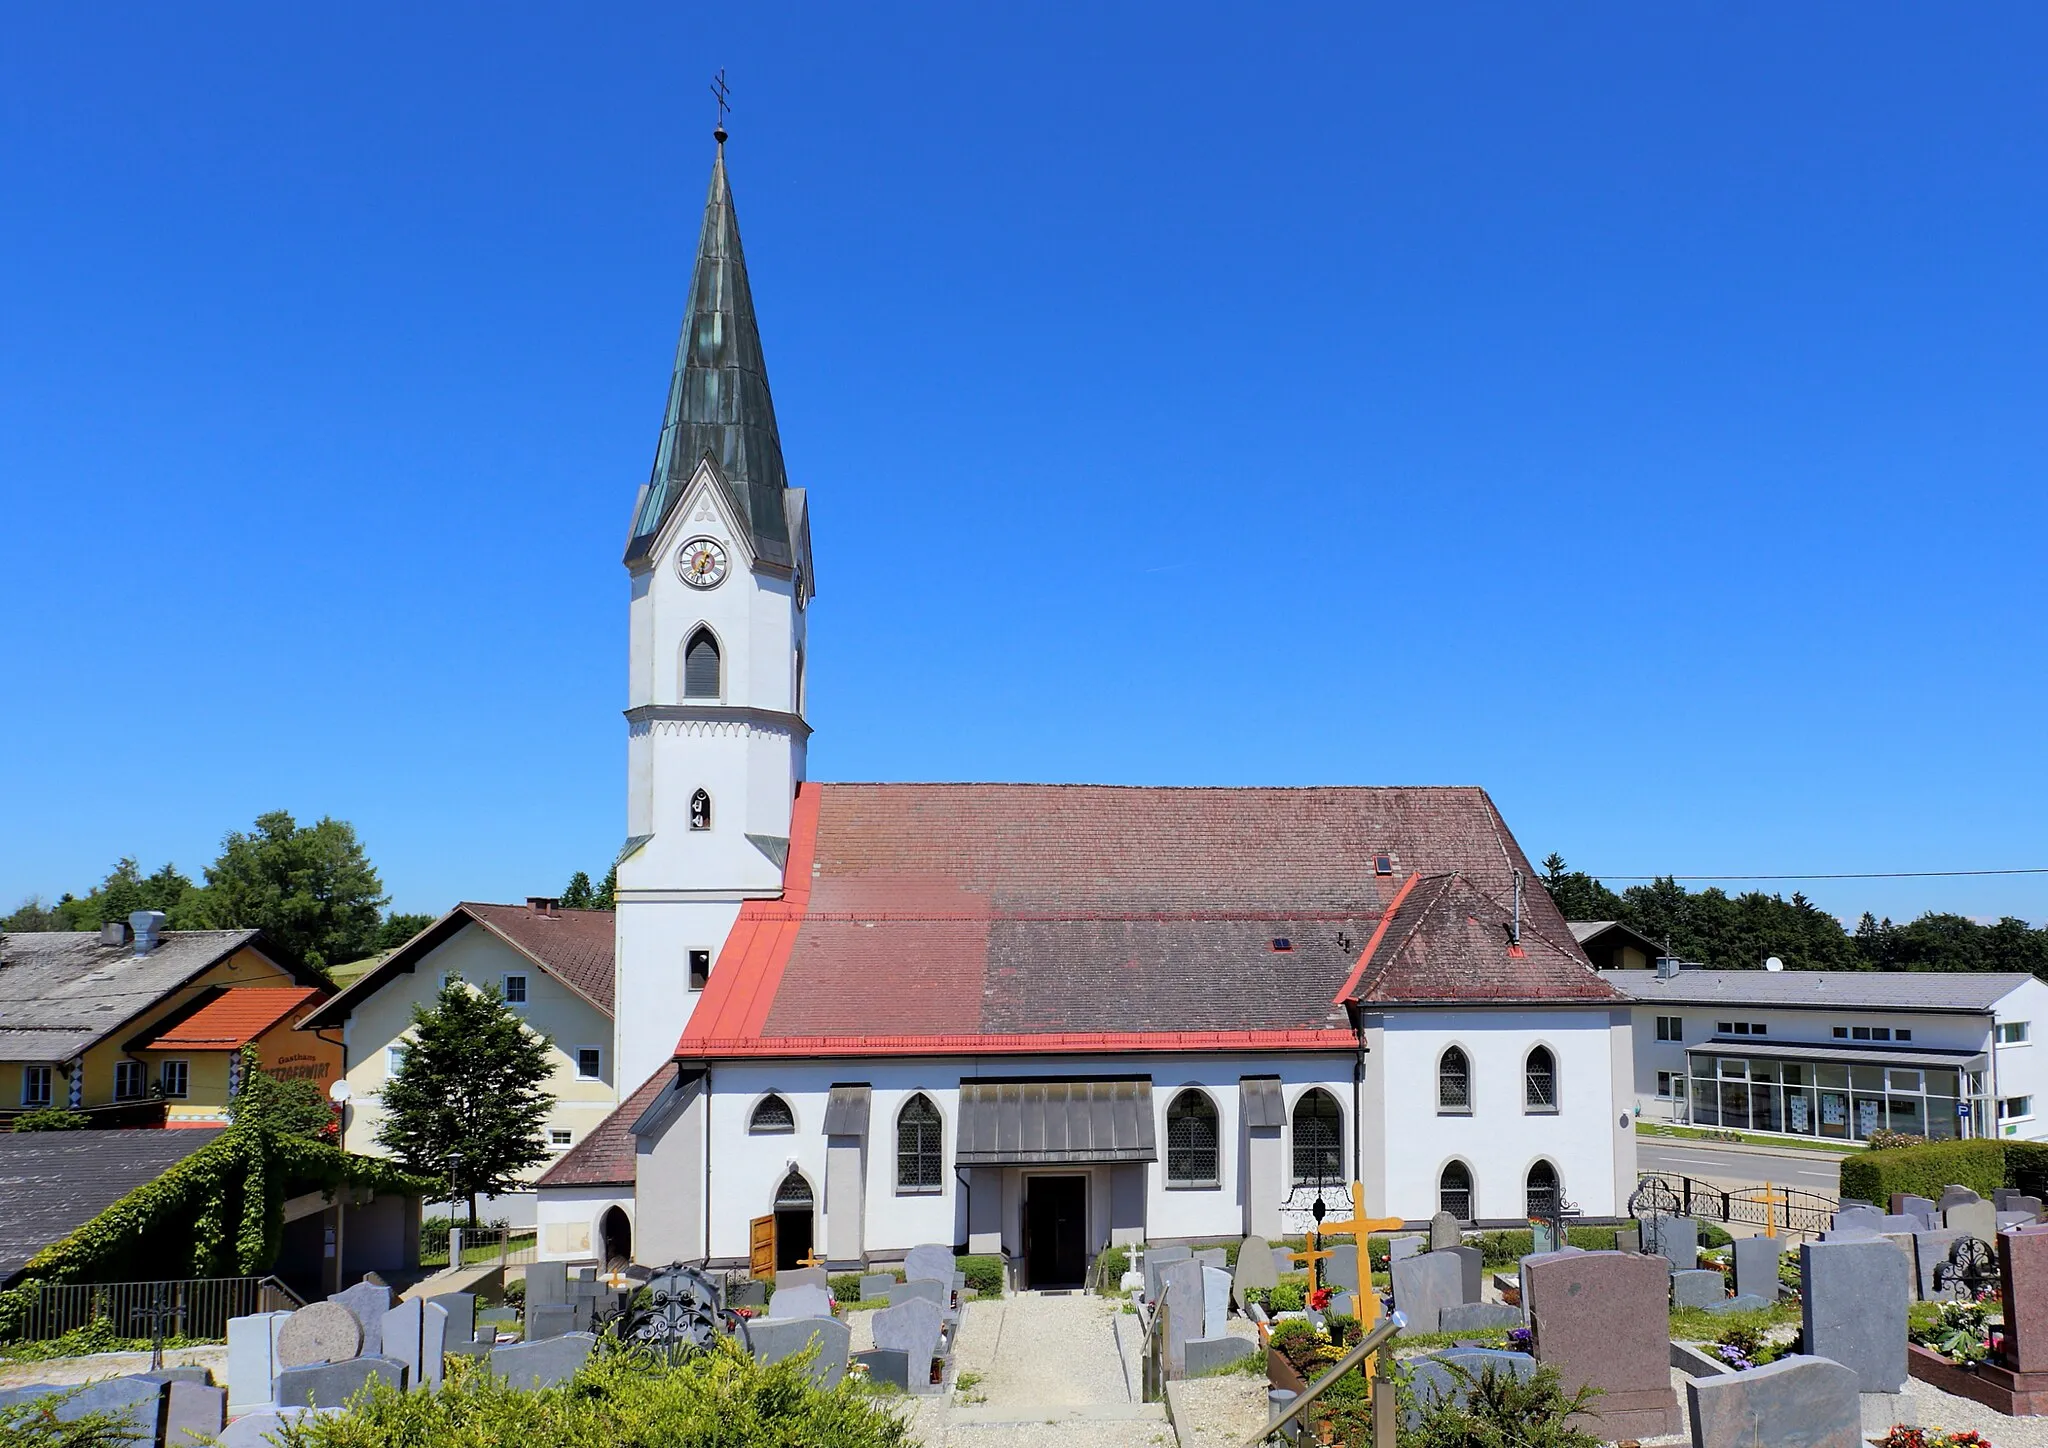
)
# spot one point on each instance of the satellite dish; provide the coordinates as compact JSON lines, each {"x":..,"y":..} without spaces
{"x":1774,"y":964}
{"x":339,"y":1093}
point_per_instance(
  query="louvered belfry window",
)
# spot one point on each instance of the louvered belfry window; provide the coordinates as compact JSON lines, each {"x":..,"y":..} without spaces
{"x":700,"y":666}
{"x":1454,"y":1081}
{"x":1318,"y":1140}
{"x":920,"y":1147}
{"x":1191,"y":1141}
{"x":1454,"y":1191}
{"x":772,"y":1117}
{"x":1544,"y":1199}
{"x":1540,"y":1081}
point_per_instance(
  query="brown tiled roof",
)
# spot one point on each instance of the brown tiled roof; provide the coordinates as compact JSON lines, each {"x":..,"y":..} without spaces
{"x":1081,"y":917}
{"x":1448,"y":940}
{"x":604,"y":1158}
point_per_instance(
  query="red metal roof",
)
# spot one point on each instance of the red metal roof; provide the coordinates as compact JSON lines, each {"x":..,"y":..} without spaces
{"x":233,"y":1018}
{"x":921,"y":919}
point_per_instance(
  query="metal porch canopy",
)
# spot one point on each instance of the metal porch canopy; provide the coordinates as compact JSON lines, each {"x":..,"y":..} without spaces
{"x":1034,"y":1123}
{"x":1923,"y":1058}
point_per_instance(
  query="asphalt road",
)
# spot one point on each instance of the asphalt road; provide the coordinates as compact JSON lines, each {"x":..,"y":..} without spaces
{"x":1736,"y":1166}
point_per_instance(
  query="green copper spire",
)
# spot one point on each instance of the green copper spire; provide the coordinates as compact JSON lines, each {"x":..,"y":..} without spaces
{"x":718,"y":400}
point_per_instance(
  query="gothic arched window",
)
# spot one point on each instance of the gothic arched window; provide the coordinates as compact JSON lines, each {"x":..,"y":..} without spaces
{"x":1543,"y":1193}
{"x":1539,"y":1080}
{"x":701,"y":674}
{"x":772,"y":1117}
{"x":700,"y":810}
{"x":1191,"y":1141}
{"x":920,"y":1147}
{"x":1454,"y":1082}
{"x":1318,"y":1140}
{"x":1454,"y":1191}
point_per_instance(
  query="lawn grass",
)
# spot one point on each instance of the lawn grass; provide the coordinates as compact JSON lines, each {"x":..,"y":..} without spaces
{"x":1696,"y":1324}
{"x":1657,"y":1129}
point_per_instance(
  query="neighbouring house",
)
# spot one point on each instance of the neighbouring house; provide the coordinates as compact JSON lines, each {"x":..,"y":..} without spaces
{"x":1611,"y":945}
{"x":553,"y":966}
{"x":136,"y":1025}
{"x":1838,"y":1054}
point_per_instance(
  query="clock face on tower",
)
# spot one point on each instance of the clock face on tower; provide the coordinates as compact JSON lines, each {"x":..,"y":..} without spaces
{"x":701,"y":562}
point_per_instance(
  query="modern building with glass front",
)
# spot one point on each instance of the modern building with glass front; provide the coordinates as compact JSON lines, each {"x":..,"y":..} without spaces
{"x":1839,"y":1054}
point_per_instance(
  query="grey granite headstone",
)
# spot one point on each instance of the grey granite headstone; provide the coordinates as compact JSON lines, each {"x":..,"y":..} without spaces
{"x":1629,"y":1238}
{"x":260,"y":1429}
{"x":1908,"y":1249}
{"x":816,"y":1277}
{"x":888,"y":1367}
{"x":369,"y":1301}
{"x":1847,"y":1217}
{"x":1401,"y":1247}
{"x":875,"y":1286}
{"x":1432,"y":1380}
{"x":416,"y":1333}
{"x":1676,"y":1239}
{"x":545,"y":1363}
{"x":1425,"y":1285}
{"x":331,"y":1385}
{"x":918,"y":1289}
{"x":1340,"y":1269}
{"x":1701,"y":1287}
{"x":1283,"y":1261}
{"x":1953,"y":1195}
{"x":252,"y":1366}
{"x":1156,"y":1261}
{"x":1522,"y":1271}
{"x":1215,"y":1300}
{"x":547,"y":1282}
{"x":1212,"y":1354}
{"x":1854,"y":1202}
{"x":1741,"y":1302}
{"x":750,"y":1293}
{"x":776,"y":1338}
{"x":809,"y":1301}
{"x":1472,"y":1279}
{"x":1254,"y":1269}
{"x":194,"y":1413}
{"x":1181,"y":1293}
{"x":1905,"y":1204}
{"x":137,"y":1401}
{"x":461,"y":1310}
{"x":1979,"y":1219}
{"x":1796,"y":1402}
{"x":2001,"y":1198}
{"x":1891,"y":1224}
{"x":915,"y":1328}
{"x":931,"y":1260}
{"x":1854,"y":1309}
{"x":549,"y":1319}
{"x":320,"y":1332}
{"x":1931,"y":1249}
{"x":1215,"y":1257}
{"x":1444,"y":1231}
{"x":1756,"y":1266}
{"x":2027,"y":1204}
{"x":2009,"y":1220}
{"x":1478,"y":1317}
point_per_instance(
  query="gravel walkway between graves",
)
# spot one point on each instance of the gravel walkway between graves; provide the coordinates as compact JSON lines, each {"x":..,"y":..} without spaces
{"x":111,"y":1365}
{"x":1932,"y":1408}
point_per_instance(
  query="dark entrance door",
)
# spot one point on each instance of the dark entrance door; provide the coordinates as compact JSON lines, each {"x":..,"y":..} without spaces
{"x":1056,"y":1230}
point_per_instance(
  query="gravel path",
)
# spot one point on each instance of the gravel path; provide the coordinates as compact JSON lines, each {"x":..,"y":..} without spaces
{"x":1931,"y":1408}
{"x":111,"y":1365}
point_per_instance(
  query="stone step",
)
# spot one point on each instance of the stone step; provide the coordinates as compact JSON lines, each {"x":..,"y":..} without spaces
{"x":992,"y":1415}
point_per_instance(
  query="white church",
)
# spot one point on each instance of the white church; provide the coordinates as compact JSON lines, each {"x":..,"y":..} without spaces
{"x":1031,"y":1019}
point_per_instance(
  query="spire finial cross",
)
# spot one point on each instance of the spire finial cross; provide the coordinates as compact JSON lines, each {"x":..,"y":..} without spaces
{"x":723,"y":92}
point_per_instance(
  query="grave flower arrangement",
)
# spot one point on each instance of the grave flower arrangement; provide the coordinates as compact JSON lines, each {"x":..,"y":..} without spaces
{"x":1960,"y":1331}
{"x":1743,"y":1348}
{"x":1904,"y":1437}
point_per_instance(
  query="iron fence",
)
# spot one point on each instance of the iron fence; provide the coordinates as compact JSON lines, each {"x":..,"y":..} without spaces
{"x":1788,"y":1209}
{"x":484,"y":1246}
{"x":195,"y":1306}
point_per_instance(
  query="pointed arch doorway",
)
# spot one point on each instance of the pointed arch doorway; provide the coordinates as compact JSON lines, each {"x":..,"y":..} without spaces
{"x":795,"y":1221}
{"x":615,"y":1239}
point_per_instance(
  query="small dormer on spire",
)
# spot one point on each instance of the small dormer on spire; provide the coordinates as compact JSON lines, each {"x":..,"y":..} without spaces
{"x":718,"y":399}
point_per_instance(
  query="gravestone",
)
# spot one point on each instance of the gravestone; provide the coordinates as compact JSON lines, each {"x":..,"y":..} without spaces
{"x":2009,"y":1220}
{"x":1741,"y":1302}
{"x":1701,"y":1287}
{"x":331,"y":1385}
{"x":1522,"y":1270}
{"x":1402,"y":1247}
{"x":1543,"y":1238}
{"x":136,"y":1401}
{"x":1905,"y":1204}
{"x":1215,"y":1300}
{"x":252,"y":1361}
{"x":2023,"y":1284}
{"x":1849,"y":1234}
{"x":1157,"y":1259}
{"x":1854,"y":1309}
{"x":369,"y":1301}
{"x":887,"y":1367}
{"x":321,"y":1332}
{"x":875,"y":1286}
{"x":547,"y":1282}
{"x":750,"y":1293}
{"x":461,"y":1310}
{"x":1756,"y":1266}
{"x":1212,"y":1354}
{"x":549,"y":1319}
{"x":915,"y":1328}
{"x":1181,"y":1295}
{"x":260,"y":1428}
{"x":545,"y":1363}
{"x":811,"y":1301}
{"x":1601,"y":1319}
{"x":1955,"y":1196}
{"x":1340,"y":1270}
{"x":1629,"y":1238}
{"x":1909,"y":1249}
{"x":1979,"y":1219}
{"x":2027,"y":1204}
{"x":1444,"y":1231}
{"x":1424,"y":1286}
{"x":776,"y":1338}
{"x":1472,"y":1277}
{"x":1254,"y":1270}
{"x":1432,"y":1379}
{"x":1283,"y":1261}
{"x":1675,"y":1239}
{"x":194,"y":1413}
{"x":1796,"y":1402}
{"x":816,"y":1277}
{"x":1478,"y":1317}
{"x":1848,"y":1217}
{"x":416,"y":1333}
{"x":931,"y":1260}
{"x":1214,"y":1257}
{"x":918,"y":1289}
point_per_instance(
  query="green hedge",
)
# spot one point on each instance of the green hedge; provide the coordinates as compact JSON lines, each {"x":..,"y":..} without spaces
{"x":984,"y":1274}
{"x":2026,"y":1167}
{"x":1923,"y":1171}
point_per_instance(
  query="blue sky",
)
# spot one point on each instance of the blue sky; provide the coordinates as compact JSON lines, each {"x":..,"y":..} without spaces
{"x":1638,"y":411}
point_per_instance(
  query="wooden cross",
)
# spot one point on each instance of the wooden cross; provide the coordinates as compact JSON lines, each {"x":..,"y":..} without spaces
{"x":1360,"y":1227}
{"x":810,"y":1259}
{"x":1311,"y":1255}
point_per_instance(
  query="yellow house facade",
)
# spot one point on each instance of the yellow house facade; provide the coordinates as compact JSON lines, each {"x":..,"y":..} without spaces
{"x":553,"y":966}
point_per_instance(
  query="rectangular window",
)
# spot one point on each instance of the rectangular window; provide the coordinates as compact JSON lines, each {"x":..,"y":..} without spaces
{"x":558,"y":1138}
{"x":1859,"y":1033}
{"x":131,"y":1080}
{"x":1902,"y":1035}
{"x":589,"y":1063}
{"x":515,"y":990}
{"x":1758,"y":1028}
{"x":1669,"y":1084}
{"x":2012,"y":1033}
{"x":177,"y":1080}
{"x":1724,"y":1028}
{"x":1841,"y":1033}
{"x":700,"y":968}
{"x":1670,"y":1028}
{"x":394,"y":1060}
{"x":1880,"y":1033}
{"x":36,"y":1085}
{"x":2014,"y":1107}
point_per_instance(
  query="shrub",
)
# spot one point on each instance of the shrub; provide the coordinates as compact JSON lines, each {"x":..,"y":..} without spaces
{"x":50,"y":1118}
{"x":845,"y":1287}
{"x":1110,"y":1266}
{"x":1713,"y":1236}
{"x":2026,"y":1167}
{"x":515,"y":1292}
{"x":434,"y":1236}
{"x":1873,"y":1176}
{"x":1882,"y":1140}
{"x":984,"y":1274}
{"x":33,"y":1423}
{"x":1297,"y":1340}
{"x":1505,"y":1249}
{"x":1499,"y":1408}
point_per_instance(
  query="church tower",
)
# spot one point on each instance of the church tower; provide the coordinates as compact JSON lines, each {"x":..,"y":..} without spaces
{"x":720,"y":566}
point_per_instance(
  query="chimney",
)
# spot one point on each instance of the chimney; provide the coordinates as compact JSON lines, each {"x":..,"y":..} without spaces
{"x":543,"y":904}
{"x":1515,"y":933}
{"x":1667,"y":967}
{"x":148,"y":926}
{"x":115,"y":933}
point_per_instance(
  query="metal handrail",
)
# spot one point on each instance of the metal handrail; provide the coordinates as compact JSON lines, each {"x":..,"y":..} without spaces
{"x":1382,"y":1390}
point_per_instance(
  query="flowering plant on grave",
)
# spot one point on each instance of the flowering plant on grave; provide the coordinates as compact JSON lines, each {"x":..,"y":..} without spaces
{"x":1960,"y":1331}
{"x":1902,"y":1436}
{"x":1520,"y":1339}
{"x":1320,"y":1299}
